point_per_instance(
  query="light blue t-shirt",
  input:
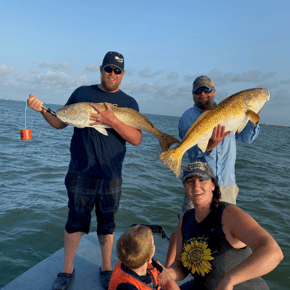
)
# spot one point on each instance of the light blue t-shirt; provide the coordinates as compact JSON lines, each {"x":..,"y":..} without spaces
{"x":223,"y":157}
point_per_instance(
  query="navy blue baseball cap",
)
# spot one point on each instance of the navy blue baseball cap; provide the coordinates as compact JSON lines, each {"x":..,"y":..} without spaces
{"x":113,"y":58}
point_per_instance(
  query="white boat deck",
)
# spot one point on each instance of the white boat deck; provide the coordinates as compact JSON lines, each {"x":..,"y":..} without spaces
{"x":87,"y":263}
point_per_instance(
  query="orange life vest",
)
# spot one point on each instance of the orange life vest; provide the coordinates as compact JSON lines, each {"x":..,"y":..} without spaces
{"x":119,"y":276}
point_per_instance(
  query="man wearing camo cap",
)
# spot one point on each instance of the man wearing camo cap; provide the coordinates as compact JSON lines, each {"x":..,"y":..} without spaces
{"x":221,"y":149}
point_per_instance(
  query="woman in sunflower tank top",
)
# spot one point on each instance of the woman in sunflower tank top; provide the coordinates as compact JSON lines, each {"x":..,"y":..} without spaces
{"x":219,"y":244}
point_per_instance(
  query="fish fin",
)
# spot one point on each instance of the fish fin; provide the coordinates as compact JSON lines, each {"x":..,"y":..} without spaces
{"x":101,"y":129}
{"x":253,"y":116}
{"x":202,"y":146}
{"x":241,"y":128}
{"x":172,"y":158}
{"x":166,"y":141}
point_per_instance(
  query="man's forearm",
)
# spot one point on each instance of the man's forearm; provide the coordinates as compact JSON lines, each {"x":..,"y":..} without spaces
{"x":129,"y":133}
{"x":176,"y":272}
{"x":52,"y":120}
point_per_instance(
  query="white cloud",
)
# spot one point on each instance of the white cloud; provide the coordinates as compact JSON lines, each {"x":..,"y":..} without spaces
{"x":145,"y":73}
{"x":8,"y":74}
{"x":13,"y":78}
{"x":190,"y":78}
{"x":172,"y":76}
{"x":129,"y":71}
{"x":161,"y":96}
{"x":286,"y":82}
{"x":155,"y":91}
{"x":252,"y":76}
{"x":135,"y":88}
{"x":163,"y":91}
{"x":56,"y":66}
{"x":92,"y":67}
{"x":280,"y":98}
{"x":33,"y":71}
{"x":59,"y":80}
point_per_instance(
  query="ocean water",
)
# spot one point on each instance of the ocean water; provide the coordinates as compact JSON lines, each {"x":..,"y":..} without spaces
{"x":33,"y":200}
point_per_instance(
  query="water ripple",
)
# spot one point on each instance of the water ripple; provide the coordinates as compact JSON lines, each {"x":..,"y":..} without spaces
{"x":33,"y":208}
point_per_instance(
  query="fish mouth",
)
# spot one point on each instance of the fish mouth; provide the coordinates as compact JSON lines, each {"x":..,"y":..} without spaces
{"x":265,"y":94}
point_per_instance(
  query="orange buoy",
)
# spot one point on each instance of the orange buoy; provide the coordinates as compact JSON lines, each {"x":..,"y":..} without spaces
{"x":26,"y":134}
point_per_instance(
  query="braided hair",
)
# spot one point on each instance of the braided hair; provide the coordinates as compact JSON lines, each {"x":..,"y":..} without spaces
{"x":216,"y":196}
{"x":215,"y":239}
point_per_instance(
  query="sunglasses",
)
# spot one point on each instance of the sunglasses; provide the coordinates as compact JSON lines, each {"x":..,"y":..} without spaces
{"x":202,"y":89}
{"x":116,"y":70}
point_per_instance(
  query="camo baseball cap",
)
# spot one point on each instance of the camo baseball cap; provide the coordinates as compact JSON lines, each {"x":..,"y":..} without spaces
{"x":198,"y":168}
{"x":202,"y":81}
{"x":113,"y":58}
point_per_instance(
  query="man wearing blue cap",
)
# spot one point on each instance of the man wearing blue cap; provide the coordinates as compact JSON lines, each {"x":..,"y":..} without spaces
{"x":94,"y":177}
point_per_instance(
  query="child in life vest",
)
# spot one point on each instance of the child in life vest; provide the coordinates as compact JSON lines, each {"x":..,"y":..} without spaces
{"x":135,"y":268}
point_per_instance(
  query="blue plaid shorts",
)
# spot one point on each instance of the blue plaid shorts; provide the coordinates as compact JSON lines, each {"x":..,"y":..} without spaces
{"x":86,"y":192}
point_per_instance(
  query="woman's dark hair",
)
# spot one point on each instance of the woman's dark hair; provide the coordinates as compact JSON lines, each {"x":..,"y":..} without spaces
{"x":215,"y":241}
{"x":216,"y":196}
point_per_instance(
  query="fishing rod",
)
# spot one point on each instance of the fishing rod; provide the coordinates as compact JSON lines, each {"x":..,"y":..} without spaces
{"x":48,"y":110}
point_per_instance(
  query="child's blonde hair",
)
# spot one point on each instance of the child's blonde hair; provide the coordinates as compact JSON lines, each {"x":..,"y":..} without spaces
{"x":135,"y":246}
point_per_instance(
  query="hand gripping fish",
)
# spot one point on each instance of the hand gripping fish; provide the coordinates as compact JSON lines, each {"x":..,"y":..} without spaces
{"x":233,"y":112}
{"x":78,"y":115}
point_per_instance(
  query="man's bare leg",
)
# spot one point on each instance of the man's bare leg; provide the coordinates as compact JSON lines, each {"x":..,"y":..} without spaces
{"x":106,"y":244}
{"x":71,"y":242}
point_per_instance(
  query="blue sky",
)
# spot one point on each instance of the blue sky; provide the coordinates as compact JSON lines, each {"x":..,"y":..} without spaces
{"x":49,"y":48}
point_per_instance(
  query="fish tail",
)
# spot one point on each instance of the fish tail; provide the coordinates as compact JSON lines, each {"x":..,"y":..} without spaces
{"x":172,"y":158}
{"x":166,"y":141}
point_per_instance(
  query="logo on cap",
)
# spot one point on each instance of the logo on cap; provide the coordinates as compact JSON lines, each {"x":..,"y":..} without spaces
{"x":119,"y":59}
